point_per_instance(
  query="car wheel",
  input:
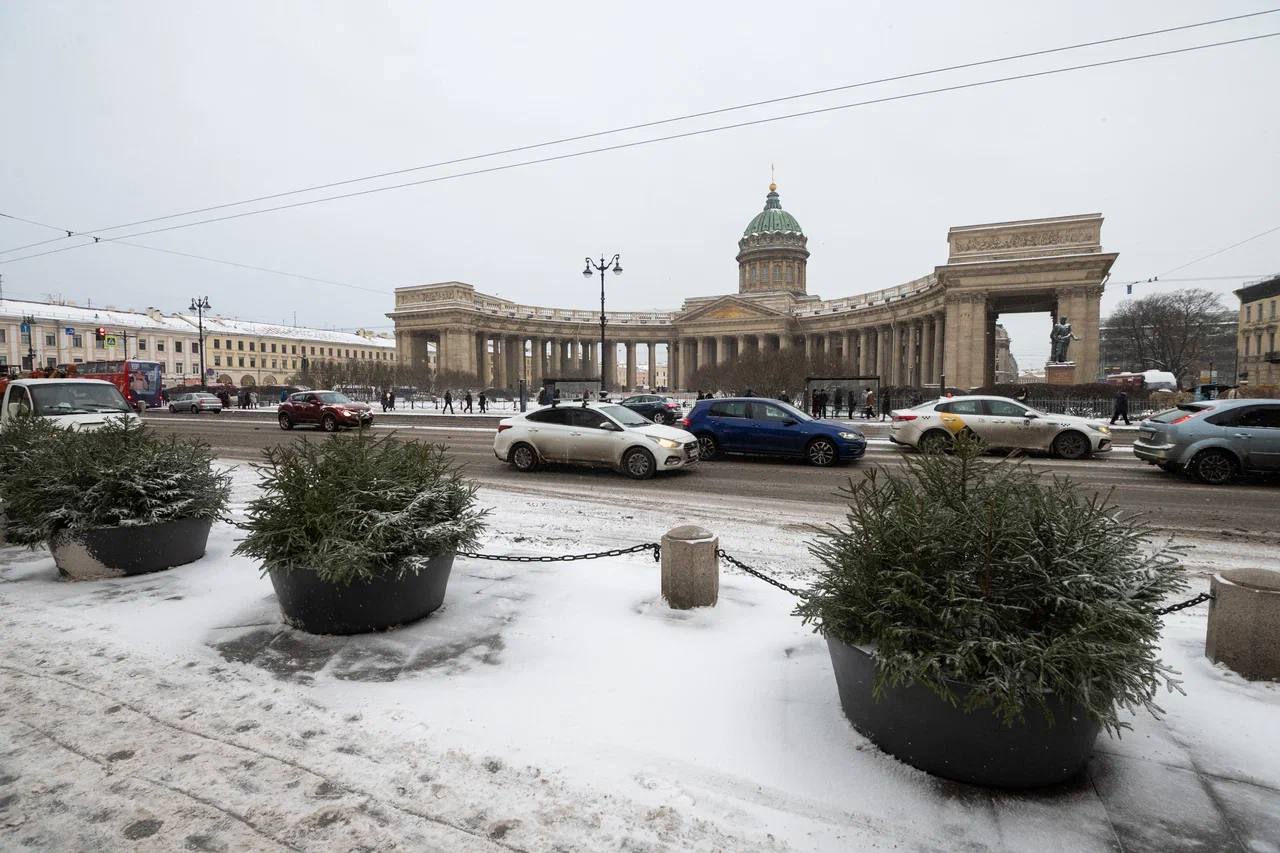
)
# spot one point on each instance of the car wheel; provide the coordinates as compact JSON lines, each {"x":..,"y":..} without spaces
{"x":638,"y":464}
{"x":821,"y":452}
{"x":664,"y":418}
{"x":1215,"y":467}
{"x":708,"y":447}
{"x":523,"y":457}
{"x":172,"y":410}
{"x":285,"y":421}
{"x":935,"y":441}
{"x":329,"y":423}
{"x":1071,"y":445}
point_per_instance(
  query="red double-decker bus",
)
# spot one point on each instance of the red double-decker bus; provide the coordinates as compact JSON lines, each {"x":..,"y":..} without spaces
{"x":139,"y":381}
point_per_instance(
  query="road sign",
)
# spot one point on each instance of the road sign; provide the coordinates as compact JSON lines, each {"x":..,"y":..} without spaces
{"x":70,"y":331}
{"x":26,"y":328}
{"x":110,"y":341}
{"x":210,"y":372}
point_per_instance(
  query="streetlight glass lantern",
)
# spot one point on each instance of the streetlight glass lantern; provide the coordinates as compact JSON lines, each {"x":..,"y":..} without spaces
{"x":617,"y":268}
{"x":586,"y":273}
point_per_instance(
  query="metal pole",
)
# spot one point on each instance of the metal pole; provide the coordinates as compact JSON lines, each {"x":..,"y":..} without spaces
{"x":30,"y":320}
{"x":602,"y":321}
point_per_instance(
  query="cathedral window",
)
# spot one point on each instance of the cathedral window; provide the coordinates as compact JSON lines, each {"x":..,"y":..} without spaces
{"x":777,"y":272}
{"x":791,"y":273}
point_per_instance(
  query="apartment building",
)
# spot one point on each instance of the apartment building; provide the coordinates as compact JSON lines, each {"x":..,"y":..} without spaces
{"x":238,"y":352}
{"x":1259,"y":354}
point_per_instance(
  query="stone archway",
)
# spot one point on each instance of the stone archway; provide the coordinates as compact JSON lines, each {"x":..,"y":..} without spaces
{"x":269,"y":379}
{"x":224,"y":379}
{"x":246,"y":381}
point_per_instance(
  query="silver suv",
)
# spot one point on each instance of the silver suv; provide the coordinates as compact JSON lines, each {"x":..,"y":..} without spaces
{"x":1215,"y":440}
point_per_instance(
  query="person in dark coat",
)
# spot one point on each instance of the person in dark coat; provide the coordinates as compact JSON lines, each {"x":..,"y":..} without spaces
{"x":391,"y":400}
{"x":448,"y":402}
{"x":886,"y":404}
{"x":1120,"y":408}
{"x":484,"y":403}
{"x":466,"y":402}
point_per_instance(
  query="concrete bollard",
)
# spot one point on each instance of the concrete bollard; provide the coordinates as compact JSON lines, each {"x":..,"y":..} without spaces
{"x":690,"y":567}
{"x":1244,"y":623}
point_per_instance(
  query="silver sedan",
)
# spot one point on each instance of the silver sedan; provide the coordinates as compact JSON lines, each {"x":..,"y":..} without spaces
{"x":195,"y":403}
{"x":999,"y":422}
{"x":602,"y":434}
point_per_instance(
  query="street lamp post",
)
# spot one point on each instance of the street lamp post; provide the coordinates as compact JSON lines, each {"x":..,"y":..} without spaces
{"x":614,"y":264}
{"x":30,"y":322}
{"x":200,"y":306}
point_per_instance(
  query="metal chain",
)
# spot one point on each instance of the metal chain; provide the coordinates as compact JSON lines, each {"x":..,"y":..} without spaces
{"x":1190,"y":602}
{"x":655,"y":547}
{"x":741,"y":565}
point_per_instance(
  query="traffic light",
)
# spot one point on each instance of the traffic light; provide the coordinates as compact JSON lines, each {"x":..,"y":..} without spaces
{"x":100,"y":333}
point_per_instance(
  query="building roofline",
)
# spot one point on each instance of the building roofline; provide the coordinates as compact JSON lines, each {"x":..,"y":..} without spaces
{"x":1027,"y":223}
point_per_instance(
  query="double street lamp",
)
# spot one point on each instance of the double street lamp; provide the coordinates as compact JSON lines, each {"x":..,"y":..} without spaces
{"x":200,"y":306}
{"x":592,"y":267}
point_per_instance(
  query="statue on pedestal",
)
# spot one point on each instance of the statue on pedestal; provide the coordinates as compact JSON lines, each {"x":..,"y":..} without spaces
{"x":1060,"y":338}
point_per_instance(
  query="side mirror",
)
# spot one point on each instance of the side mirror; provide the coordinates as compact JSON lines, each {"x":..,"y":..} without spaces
{"x":1030,"y":415}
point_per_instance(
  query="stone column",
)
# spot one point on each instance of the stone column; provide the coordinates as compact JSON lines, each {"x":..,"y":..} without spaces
{"x":536,"y":365}
{"x":611,"y":363}
{"x":864,"y":352}
{"x":895,"y":354}
{"x":742,"y":346}
{"x":939,"y":349}
{"x":926,"y":350}
{"x":482,"y":360}
{"x":884,"y":350}
{"x":784,"y":341}
{"x":909,"y":332}
{"x":631,"y":364}
{"x":848,"y":356}
{"x":517,"y":368}
{"x":704,"y":353}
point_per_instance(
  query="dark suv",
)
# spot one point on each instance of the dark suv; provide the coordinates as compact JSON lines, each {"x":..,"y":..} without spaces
{"x":1214,"y":440}
{"x":329,"y":410}
{"x":770,"y":428}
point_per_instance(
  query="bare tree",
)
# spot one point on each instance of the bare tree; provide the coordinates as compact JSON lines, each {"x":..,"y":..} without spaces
{"x":1177,"y":331}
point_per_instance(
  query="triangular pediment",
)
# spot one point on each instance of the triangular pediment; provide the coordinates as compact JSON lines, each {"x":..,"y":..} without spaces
{"x":729,"y":308}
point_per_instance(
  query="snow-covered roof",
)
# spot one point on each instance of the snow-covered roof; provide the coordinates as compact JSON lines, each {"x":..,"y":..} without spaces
{"x":92,"y":316}
{"x":182,"y":324}
{"x":230,"y":326}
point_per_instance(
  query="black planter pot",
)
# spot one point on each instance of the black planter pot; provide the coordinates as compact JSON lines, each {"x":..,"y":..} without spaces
{"x":912,"y":724}
{"x":108,"y":552}
{"x":317,"y":607}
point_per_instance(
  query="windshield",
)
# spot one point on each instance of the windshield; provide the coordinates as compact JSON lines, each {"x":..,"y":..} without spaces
{"x":332,"y":397}
{"x":77,"y":398}
{"x":1170,"y":415}
{"x":625,"y":416}
{"x":144,"y":378}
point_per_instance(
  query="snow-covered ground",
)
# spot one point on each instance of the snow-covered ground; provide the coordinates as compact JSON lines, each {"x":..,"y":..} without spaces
{"x":549,"y":707}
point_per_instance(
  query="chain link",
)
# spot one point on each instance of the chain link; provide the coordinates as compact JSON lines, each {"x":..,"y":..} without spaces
{"x":655,"y":547}
{"x":720,"y":552}
{"x":1190,"y":602}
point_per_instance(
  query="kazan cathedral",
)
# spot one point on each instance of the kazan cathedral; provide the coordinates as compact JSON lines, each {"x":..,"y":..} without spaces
{"x":940,"y":328}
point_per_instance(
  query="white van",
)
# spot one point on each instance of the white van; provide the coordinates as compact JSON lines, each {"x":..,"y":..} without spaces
{"x":73,"y":403}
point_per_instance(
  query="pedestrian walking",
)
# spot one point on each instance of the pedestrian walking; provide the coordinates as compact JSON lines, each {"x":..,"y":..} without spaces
{"x":886,"y":404}
{"x":448,"y":402}
{"x":284,"y":395}
{"x":466,"y":402}
{"x":484,"y":403}
{"x":868,"y":403}
{"x":822,"y":403}
{"x":391,"y":400}
{"x":1120,"y":408}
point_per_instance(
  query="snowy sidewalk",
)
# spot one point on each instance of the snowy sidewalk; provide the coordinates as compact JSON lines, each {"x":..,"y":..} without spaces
{"x":545,"y":707}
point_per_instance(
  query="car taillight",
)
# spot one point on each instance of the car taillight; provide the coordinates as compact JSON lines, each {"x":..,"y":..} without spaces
{"x":502,"y":427}
{"x":897,"y":417}
{"x":684,"y":422}
{"x":671,"y":405}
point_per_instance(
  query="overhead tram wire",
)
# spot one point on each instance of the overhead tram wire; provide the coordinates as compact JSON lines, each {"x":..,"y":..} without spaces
{"x":225,"y":262}
{"x":656,"y":123}
{"x":672,"y":137}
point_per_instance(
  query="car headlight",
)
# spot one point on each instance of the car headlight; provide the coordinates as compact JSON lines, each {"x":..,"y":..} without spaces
{"x":1103,"y":429}
{"x":667,"y":443}
{"x":851,"y":436}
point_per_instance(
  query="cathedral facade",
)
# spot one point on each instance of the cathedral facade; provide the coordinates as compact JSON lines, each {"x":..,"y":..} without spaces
{"x":938,"y":328}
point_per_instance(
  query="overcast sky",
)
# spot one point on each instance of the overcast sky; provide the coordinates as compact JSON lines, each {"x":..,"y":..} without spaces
{"x":123,"y":111}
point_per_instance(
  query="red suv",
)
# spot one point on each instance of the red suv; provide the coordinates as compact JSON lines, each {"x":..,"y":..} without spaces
{"x":328,"y":410}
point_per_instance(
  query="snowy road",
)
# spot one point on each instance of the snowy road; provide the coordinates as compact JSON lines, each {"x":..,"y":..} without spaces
{"x":1244,"y":512}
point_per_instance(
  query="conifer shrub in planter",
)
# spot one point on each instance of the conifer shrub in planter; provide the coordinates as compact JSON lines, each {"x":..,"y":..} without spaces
{"x":117,"y":500}
{"x":358,"y":533}
{"x":985,"y":622}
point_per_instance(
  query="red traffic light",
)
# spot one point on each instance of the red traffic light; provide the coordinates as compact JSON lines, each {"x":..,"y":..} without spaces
{"x":100,"y":333}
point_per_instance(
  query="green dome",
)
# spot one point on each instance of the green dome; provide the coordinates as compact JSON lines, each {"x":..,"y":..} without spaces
{"x":773,"y":219}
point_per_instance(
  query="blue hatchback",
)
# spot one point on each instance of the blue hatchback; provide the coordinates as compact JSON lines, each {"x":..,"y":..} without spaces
{"x":770,"y":428}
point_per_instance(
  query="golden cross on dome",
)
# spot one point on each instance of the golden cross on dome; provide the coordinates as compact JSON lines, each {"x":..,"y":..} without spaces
{"x":773,"y":184}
